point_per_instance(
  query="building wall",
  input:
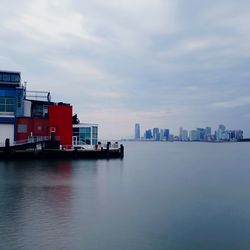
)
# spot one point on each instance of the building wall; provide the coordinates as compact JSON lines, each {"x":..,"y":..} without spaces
{"x":60,"y":121}
{"x":31,"y":126}
{"x":7,"y":131}
{"x":85,"y":134}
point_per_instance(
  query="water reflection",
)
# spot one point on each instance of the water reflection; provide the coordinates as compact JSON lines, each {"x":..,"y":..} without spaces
{"x":36,"y":202}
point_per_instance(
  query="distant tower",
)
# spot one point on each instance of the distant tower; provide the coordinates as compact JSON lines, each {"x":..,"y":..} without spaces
{"x":180,"y":133}
{"x":137,"y":131}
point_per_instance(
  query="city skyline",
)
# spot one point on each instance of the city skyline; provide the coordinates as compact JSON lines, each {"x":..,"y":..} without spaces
{"x":222,"y":133}
{"x":118,"y":62}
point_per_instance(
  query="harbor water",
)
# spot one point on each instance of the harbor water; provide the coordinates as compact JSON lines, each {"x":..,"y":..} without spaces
{"x":175,"y":196}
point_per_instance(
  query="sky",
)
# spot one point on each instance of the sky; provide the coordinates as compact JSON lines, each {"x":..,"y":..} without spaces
{"x":160,"y":63}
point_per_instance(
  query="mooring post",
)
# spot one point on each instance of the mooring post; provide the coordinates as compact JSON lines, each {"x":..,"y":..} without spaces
{"x":108,"y":146}
{"x":122,"y":151}
{"x":7,"y":145}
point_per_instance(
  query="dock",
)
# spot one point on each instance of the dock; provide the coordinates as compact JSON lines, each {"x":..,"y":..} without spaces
{"x":51,"y":150}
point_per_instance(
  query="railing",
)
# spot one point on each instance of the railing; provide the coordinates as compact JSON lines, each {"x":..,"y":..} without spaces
{"x":31,"y":139}
{"x":83,"y":144}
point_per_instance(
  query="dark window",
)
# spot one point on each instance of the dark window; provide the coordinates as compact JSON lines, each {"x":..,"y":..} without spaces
{"x":39,"y":128}
{"x":19,"y":100}
{"x":2,"y":108}
{"x":6,"y":77}
{"x":7,"y":104}
{"x":1,"y":76}
{"x":22,"y":128}
{"x":15,"y":77}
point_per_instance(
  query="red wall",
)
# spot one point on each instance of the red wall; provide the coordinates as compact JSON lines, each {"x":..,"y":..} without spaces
{"x":36,"y":126}
{"x":60,"y":119}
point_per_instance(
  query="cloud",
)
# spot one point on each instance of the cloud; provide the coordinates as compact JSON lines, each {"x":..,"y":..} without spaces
{"x":234,"y":103}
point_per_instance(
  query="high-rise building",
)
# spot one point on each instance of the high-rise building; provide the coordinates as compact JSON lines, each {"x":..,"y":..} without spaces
{"x":180,"y":133}
{"x":208,"y":133}
{"x":239,"y":135}
{"x":184,"y":135}
{"x":166,"y":134}
{"x":220,"y":132}
{"x":148,"y":134}
{"x":162,"y":135}
{"x":201,"y":132}
{"x":155,"y":133}
{"x":194,"y":135}
{"x":137,"y":131}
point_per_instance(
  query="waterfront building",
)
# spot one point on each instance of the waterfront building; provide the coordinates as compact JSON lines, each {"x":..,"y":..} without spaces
{"x":137,"y":131}
{"x":180,"y":133}
{"x":158,"y":136}
{"x":201,"y":133}
{"x":208,"y":133}
{"x":30,"y":116}
{"x":148,"y":134}
{"x":155,"y":133}
{"x":11,"y":105}
{"x":239,"y":135}
{"x":162,"y":135}
{"x":220,"y":132}
{"x":85,"y":134}
{"x":184,"y":135}
{"x":194,"y":135}
{"x":166,"y":134}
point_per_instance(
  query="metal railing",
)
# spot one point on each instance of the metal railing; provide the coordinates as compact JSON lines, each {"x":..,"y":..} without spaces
{"x":31,"y":139}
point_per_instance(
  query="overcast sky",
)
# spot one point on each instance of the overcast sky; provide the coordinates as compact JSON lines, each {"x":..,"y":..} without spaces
{"x":161,"y":63}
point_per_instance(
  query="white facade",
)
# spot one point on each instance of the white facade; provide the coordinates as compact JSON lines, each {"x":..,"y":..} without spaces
{"x":7,"y":131}
{"x":27,"y":108}
{"x":85,"y":135}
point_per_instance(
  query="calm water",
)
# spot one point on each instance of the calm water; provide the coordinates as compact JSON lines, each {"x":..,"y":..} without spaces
{"x":161,"y":196}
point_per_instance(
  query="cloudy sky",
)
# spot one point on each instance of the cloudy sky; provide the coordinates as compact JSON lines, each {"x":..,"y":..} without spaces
{"x":162,"y":63}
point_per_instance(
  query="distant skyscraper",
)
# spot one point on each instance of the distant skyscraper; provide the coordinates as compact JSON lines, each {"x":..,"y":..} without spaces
{"x":194,"y":135}
{"x":155,"y":133}
{"x":180,"y":133}
{"x":166,"y":134}
{"x":220,"y":132}
{"x":137,"y":131}
{"x":148,"y":134}
{"x":208,"y":133}
{"x":184,"y":135}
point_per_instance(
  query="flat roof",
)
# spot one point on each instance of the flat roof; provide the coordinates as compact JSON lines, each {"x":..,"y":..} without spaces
{"x":8,"y":71}
{"x":84,"y":125}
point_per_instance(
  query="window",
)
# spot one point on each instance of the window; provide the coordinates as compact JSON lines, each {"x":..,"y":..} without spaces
{"x":19,"y":100}
{"x":10,"y":77}
{"x":39,"y":128}
{"x":7,"y":104}
{"x":15,"y":78}
{"x":94,"y":135}
{"x":22,"y":128}
{"x":6,"y":77}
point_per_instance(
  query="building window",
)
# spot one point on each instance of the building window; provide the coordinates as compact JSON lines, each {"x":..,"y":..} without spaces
{"x":10,"y":77}
{"x":39,"y":128}
{"x":15,"y":77}
{"x":22,"y":128}
{"x":7,"y":104}
{"x":6,"y":77}
{"x":19,"y":100}
{"x":94,"y":135}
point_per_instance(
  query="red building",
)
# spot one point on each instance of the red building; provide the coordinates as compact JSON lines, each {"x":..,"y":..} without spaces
{"x":60,"y":123}
{"x":56,"y":120}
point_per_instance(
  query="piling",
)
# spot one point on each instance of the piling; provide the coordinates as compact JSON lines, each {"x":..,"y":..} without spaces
{"x":122,"y":151}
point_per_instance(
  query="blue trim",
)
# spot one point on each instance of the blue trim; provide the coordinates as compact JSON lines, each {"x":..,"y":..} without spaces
{"x":8,"y":92}
{"x":7,"y":120}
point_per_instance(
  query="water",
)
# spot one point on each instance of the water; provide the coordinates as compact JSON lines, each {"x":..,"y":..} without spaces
{"x":160,"y":196}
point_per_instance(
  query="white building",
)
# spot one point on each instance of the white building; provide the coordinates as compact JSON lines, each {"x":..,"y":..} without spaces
{"x":85,"y":134}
